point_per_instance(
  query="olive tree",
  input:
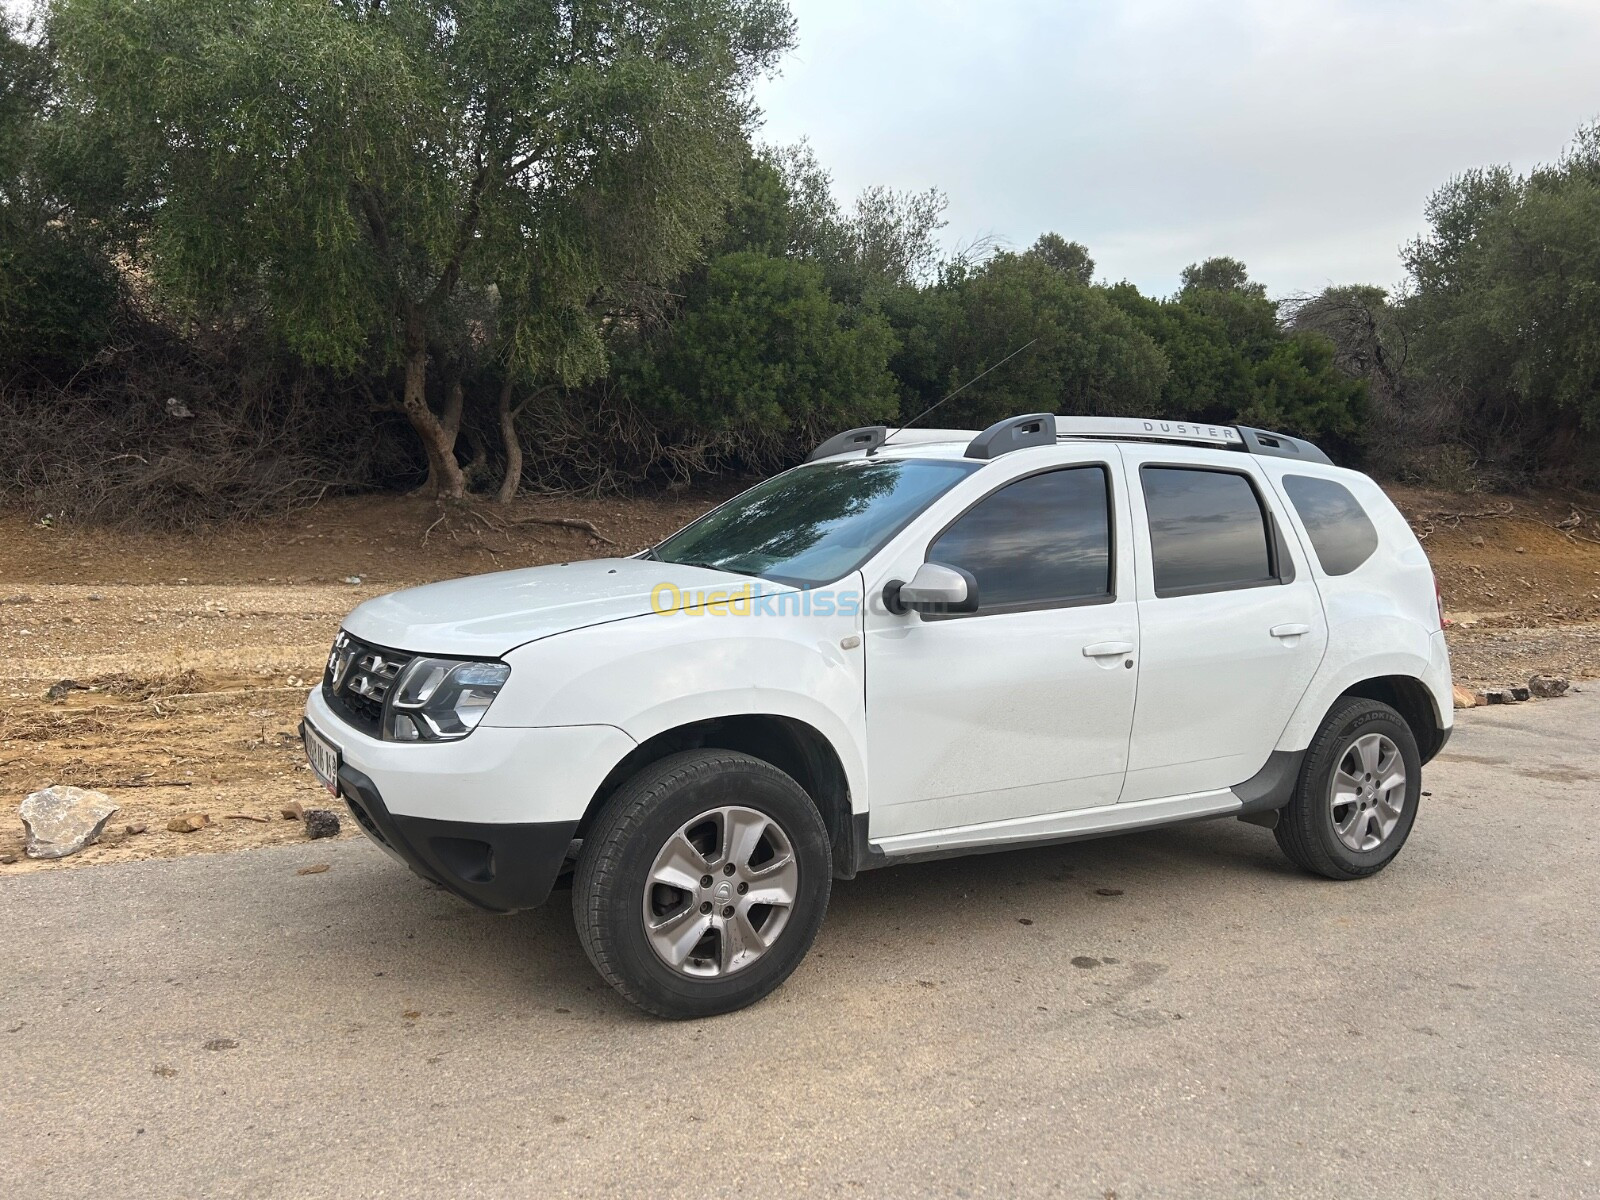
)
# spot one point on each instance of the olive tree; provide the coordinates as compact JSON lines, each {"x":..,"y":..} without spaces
{"x":1505,"y":300}
{"x":421,"y":179}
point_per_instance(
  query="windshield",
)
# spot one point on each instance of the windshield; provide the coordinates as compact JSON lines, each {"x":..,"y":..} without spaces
{"x":814,"y":524}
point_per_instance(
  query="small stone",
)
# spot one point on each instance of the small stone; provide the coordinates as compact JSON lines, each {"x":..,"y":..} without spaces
{"x":1108,"y":891}
{"x":19,"y":598}
{"x":63,"y":820}
{"x":1522,"y":549}
{"x":96,"y":596}
{"x":1024,"y":921}
{"x":135,"y":830}
{"x":1477,"y":541}
{"x":1518,"y":694}
{"x":293,"y":811}
{"x":1464,"y":698}
{"x":352,"y":580}
{"x":320,"y":823}
{"x":1548,"y":687}
{"x":188,"y":823}
{"x":62,"y":689}
{"x":313,"y":869}
{"x":7,"y":859}
{"x":1084,"y":961}
{"x":1495,"y":696}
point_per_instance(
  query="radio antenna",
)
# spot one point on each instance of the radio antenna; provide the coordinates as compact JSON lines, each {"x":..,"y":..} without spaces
{"x":958,"y":391}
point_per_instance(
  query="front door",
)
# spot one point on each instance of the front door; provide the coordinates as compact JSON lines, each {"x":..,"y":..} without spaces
{"x":1022,"y":708}
{"x":1231,"y":624}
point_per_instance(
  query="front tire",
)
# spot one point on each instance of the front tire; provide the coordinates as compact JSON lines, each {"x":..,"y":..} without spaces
{"x":702,"y":883}
{"x":1356,"y":800}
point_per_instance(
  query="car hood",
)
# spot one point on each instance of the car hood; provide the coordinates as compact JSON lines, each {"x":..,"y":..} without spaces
{"x":484,"y":616}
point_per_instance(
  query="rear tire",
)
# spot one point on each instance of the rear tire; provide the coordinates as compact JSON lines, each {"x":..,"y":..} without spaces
{"x":1356,"y":800}
{"x":702,"y":883}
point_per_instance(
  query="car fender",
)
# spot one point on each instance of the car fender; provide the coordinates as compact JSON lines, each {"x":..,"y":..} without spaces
{"x":649,"y":674}
{"x":1369,"y":649}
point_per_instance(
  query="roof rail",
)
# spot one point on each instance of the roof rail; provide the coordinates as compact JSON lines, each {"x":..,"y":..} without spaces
{"x":1044,"y":429}
{"x":1144,"y":429}
{"x":853,"y":440}
{"x":1014,"y":433}
{"x":868,"y":437}
{"x":1197,"y":433}
{"x":1281,"y":445}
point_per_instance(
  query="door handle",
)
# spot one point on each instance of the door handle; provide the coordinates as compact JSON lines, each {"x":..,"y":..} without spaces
{"x":1289,"y":631}
{"x":1107,"y":649}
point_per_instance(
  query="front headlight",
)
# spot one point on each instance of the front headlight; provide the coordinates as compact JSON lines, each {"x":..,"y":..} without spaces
{"x":441,"y":699}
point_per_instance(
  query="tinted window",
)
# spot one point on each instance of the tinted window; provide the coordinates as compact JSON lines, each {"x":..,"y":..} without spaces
{"x":1042,"y":540}
{"x":1207,"y":530}
{"x":816,"y":523}
{"x":1340,"y":529}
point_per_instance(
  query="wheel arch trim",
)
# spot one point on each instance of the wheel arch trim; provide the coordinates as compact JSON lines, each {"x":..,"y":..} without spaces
{"x":793,"y":745}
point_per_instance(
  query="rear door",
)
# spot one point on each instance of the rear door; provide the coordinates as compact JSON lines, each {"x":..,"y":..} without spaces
{"x":1021,"y":709}
{"x":1231,"y":622}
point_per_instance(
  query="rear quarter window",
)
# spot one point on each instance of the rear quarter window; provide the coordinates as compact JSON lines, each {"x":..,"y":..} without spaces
{"x":1341,"y":532}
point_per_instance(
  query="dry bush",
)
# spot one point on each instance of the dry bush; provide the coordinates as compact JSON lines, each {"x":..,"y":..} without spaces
{"x":597,"y":440}
{"x":170,"y":435}
{"x":147,"y":687}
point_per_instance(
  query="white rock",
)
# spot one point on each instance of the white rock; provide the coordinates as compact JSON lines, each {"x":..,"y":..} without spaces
{"x":63,"y":820}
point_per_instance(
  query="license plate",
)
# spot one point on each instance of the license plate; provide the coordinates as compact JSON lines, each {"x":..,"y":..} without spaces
{"x":324,"y":756}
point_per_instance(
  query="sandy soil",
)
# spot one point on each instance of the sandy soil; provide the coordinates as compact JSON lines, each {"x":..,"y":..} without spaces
{"x":195,"y":652}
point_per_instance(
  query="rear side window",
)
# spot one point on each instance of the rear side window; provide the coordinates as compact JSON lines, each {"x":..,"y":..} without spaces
{"x":1341,"y":532}
{"x":1042,"y":541}
{"x":1208,"y":532}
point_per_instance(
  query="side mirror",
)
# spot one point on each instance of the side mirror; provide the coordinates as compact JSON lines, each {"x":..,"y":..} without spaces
{"x":936,"y":589}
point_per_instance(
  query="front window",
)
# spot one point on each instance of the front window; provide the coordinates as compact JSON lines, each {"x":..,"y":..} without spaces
{"x":816,"y":523}
{"x":1041,"y":542}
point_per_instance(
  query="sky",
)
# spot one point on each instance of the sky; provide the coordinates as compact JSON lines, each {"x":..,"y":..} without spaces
{"x":1301,"y":136}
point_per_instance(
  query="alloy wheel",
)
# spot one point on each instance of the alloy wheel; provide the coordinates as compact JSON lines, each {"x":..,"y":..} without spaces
{"x":1368,"y":792}
{"x":720,"y":891}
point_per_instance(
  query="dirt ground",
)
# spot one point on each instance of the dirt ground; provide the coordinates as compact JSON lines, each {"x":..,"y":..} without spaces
{"x":195,"y":653}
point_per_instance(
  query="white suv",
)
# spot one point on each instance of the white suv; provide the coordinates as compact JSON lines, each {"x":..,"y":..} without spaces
{"x":917,"y":644}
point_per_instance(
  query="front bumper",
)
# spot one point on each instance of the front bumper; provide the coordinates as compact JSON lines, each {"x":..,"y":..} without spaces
{"x":500,"y":867}
{"x":490,"y":817}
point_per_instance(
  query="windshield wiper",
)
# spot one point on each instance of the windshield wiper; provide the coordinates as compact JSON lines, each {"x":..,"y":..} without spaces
{"x":711,"y":566}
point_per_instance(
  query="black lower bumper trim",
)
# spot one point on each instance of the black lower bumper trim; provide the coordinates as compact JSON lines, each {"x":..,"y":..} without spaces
{"x":1439,"y":743}
{"x":502,"y":868}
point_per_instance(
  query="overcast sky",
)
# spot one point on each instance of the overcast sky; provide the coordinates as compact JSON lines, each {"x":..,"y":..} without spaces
{"x":1301,"y":137}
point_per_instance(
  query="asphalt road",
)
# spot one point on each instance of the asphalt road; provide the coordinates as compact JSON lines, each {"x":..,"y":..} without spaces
{"x":220,"y":1025}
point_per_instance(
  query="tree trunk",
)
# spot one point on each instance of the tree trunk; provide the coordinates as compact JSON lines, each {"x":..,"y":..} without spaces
{"x":508,"y":433}
{"x":455,"y":403}
{"x":479,"y":462}
{"x":444,"y":473}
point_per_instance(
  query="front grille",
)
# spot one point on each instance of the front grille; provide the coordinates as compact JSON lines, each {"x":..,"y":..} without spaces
{"x":358,"y":679}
